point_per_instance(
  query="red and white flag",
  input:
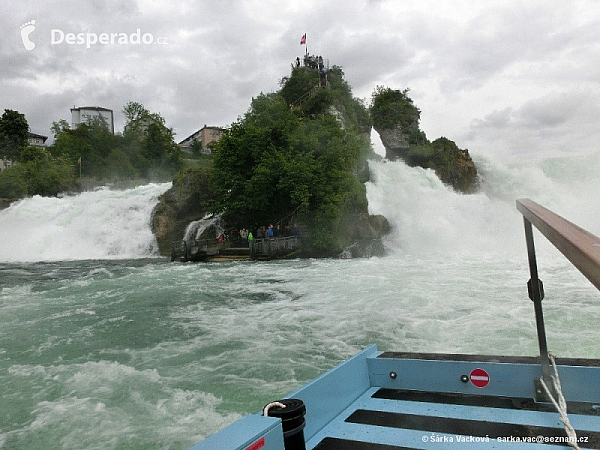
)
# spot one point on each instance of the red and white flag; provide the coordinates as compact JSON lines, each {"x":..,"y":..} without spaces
{"x":303,"y":40}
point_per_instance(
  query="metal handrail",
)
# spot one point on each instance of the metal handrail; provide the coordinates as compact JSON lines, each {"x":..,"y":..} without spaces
{"x":271,"y":246}
{"x":304,"y":97}
{"x":579,"y":246}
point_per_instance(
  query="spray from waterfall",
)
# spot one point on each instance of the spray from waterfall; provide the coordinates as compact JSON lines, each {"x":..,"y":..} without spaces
{"x":209,"y":227}
{"x":426,"y":216}
{"x":429,"y":217}
{"x":100,"y":224}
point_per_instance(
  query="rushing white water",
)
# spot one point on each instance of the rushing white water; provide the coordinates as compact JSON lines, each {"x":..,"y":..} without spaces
{"x":100,"y":224}
{"x":429,"y":217}
{"x":196,"y":228}
{"x":147,"y":354}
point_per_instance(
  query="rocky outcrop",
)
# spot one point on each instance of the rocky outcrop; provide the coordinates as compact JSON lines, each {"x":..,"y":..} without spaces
{"x":185,"y":202}
{"x":188,"y":199}
{"x":367,"y":227}
{"x":366,"y":231}
{"x":395,"y":140}
{"x":453,"y":165}
{"x":363,"y":234}
{"x":396,"y":119}
{"x":329,"y":223}
{"x":5,"y":202}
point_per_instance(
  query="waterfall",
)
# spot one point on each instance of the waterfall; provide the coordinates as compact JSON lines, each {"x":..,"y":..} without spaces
{"x":198,"y":228}
{"x":100,"y":224}
{"x":426,"y":215}
{"x":429,"y":217}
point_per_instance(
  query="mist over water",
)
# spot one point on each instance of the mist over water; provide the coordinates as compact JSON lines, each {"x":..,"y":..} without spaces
{"x":429,"y":217}
{"x":104,"y":345}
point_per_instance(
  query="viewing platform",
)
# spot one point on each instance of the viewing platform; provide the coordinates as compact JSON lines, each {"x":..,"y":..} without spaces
{"x":258,"y":249}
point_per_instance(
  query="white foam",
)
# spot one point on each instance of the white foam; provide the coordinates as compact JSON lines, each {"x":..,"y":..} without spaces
{"x":101,"y":224}
{"x":429,"y":217}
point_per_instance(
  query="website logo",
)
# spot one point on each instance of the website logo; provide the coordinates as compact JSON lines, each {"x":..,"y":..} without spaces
{"x":89,"y":39}
{"x":26,"y":30}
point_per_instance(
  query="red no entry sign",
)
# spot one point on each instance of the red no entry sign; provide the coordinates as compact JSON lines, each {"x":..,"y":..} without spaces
{"x":479,"y":378}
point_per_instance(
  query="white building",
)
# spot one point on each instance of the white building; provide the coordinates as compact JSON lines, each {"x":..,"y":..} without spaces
{"x":85,"y":114}
{"x":36,"y":140}
{"x":205,"y":135}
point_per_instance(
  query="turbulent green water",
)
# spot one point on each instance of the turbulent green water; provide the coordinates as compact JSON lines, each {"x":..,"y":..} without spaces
{"x":128,"y":351}
{"x":148,"y":354}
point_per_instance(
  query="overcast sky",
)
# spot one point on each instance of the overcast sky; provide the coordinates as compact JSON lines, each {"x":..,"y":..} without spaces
{"x":509,"y":78}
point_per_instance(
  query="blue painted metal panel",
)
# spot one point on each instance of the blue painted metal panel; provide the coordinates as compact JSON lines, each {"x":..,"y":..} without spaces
{"x":252,"y":432}
{"x":579,"y":383}
{"x":424,"y":439}
{"x":445,"y":376}
{"x":480,"y":413}
{"x":331,"y":393}
{"x":332,"y":397}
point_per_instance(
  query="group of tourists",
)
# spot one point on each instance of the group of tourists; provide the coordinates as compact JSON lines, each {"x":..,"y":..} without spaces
{"x":312,"y":61}
{"x":244,"y":236}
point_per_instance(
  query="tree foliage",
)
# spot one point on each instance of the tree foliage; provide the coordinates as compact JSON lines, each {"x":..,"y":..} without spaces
{"x":146,"y":151}
{"x":301,"y":81}
{"x":392,"y":107}
{"x":14,"y":132}
{"x":37,"y":173}
{"x":278,"y":164}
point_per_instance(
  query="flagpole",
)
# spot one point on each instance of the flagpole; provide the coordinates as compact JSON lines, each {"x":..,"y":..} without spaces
{"x":305,"y":42}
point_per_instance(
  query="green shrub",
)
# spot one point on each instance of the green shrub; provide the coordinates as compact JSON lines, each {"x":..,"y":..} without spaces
{"x":13,"y":183}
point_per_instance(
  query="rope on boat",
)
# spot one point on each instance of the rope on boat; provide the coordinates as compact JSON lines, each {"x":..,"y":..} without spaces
{"x":270,"y":405}
{"x":561,"y":405}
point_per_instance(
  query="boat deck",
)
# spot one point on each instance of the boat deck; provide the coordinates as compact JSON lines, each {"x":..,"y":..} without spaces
{"x":393,"y":401}
{"x":398,"y":416}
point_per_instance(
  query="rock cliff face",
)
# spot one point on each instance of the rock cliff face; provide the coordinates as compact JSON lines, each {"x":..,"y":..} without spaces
{"x":396,"y":119}
{"x":452,"y":165}
{"x":185,"y":202}
{"x":189,"y":198}
{"x":395,"y":140}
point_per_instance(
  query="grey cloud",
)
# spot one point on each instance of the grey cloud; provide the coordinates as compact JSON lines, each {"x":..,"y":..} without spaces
{"x":507,"y":77}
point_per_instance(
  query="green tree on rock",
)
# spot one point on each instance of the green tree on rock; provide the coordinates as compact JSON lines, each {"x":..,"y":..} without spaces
{"x":396,"y":118}
{"x":279,"y":162}
{"x":391,"y":108}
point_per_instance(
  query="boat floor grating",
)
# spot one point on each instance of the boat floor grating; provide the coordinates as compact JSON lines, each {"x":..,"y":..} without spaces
{"x":346,"y":444}
{"x":388,"y":419}
{"x":488,"y":401}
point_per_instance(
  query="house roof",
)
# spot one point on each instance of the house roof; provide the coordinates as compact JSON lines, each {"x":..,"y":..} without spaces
{"x":198,"y":131}
{"x":95,"y":108}
{"x":34,"y":135}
